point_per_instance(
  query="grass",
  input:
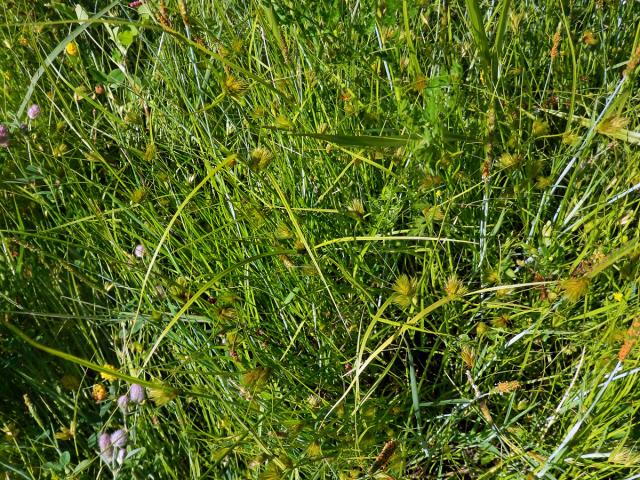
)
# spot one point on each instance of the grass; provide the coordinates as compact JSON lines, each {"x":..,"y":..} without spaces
{"x":379,"y":239}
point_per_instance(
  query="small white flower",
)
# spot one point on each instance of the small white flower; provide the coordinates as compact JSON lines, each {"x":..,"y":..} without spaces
{"x":139,"y":251}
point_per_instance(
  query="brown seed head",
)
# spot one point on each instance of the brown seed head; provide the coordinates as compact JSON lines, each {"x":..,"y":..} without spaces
{"x":630,"y":339}
{"x":507,"y":387}
{"x":556,"y":44}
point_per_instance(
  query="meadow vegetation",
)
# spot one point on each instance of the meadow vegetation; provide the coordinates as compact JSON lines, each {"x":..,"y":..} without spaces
{"x":330,"y":239}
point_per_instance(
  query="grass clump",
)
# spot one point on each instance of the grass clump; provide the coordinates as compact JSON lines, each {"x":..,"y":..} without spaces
{"x":319,"y":239}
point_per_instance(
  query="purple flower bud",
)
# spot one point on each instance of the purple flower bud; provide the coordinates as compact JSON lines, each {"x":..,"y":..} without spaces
{"x":139,"y":251}
{"x":122,"y":453}
{"x":104,"y":442}
{"x":119,"y":438}
{"x":33,"y":112}
{"x":106,"y":450}
{"x":136,"y":394}
{"x":4,"y":136}
{"x":123,"y":403}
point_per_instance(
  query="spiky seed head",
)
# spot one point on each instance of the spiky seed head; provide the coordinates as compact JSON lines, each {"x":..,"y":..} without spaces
{"x":314,"y":401}
{"x":630,"y":339}
{"x":589,"y":38}
{"x":507,"y":387}
{"x":633,"y":62}
{"x":299,"y":246}
{"x":286,"y":261}
{"x":481,"y":329}
{"x":383,"y":457}
{"x":556,"y":43}
{"x":314,"y":450}
{"x":493,"y":277}
{"x":387,"y":32}
{"x":504,"y":292}
{"x":182,"y":8}
{"x":543,"y":183}
{"x":228,"y":313}
{"x":430,"y":181}
{"x":433,"y":213}
{"x":356,"y":209}
{"x":468,"y":356}
{"x":283,"y":122}
{"x":309,"y":270}
{"x":613,"y":125}
{"x":399,"y":155}
{"x":570,"y":138}
{"x":509,"y":160}
{"x":624,"y":456}
{"x":138,"y":195}
{"x":405,"y":291}
{"x":575,"y":288}
{"x":454,"y":287}
{"x":234,"y":86}
{"x":164,"y":20}
{"x":501,"y":321}
{"x":484,"y":408}
{"x":283,"y":232}
{"x":540,"y":128}
{"x":272,"y":472}
{"x":66,"y":433}
{"x":162,"y":396}
{"x":255,"y":378}
{"x":420,"y":83}
{"x":237,"y":45}
{"x":260,"y":158}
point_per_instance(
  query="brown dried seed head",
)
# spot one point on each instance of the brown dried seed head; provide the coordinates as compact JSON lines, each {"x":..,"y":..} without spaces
{"x":507,"y":387}
{"x":164,"y":15}
{"x":485,"y":411}
{"x":556,"y":44}
{"x":630,"y":340}
{"x":182,"y":8}
{"x":385,"y":455}
{"x":633,"y":62}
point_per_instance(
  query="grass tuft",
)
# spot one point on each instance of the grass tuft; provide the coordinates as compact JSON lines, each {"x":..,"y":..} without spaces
{"x":319,"y":240}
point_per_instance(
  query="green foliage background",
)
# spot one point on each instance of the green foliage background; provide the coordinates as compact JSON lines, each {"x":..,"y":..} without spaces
{"x":360,"y":219}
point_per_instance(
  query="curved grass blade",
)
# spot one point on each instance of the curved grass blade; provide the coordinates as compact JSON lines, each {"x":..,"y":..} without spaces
{"x":362,"y":140}
{"x":82,"y":362}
